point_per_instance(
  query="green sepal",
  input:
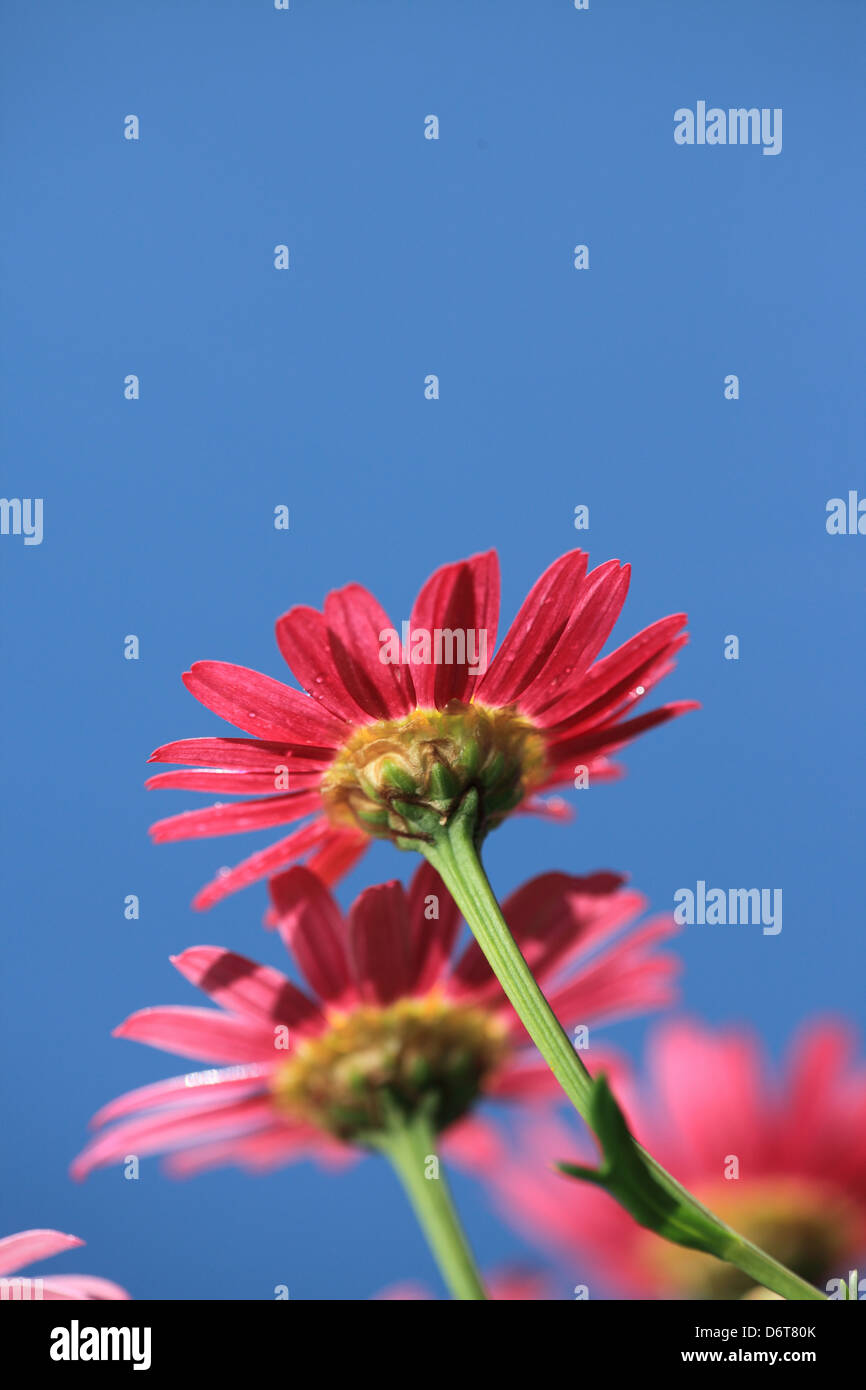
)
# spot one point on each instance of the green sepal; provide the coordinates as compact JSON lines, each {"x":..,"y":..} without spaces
{"x":397,"y":777}
{"x":443,"y":783}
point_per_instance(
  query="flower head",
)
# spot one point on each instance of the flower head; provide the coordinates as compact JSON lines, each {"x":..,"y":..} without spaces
{"x":394,"y":730}
{"x":783,"y":1163}
{"x":391,"y":1021}
{"x":18,"y":1251}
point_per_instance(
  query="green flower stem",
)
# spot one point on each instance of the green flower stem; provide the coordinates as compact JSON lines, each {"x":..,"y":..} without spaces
{"x":409,"y":1144}
{"x":454,"y":854}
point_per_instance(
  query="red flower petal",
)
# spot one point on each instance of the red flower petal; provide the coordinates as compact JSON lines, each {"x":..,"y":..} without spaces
{"x":231,"y":783}
{"x":204,"y":1034}
{"x":262,"y":706}
{"x":80,"y":1288}
{"x":26,"y":1246}
{"x":615,"y":988}
{"x":431,"y":940}
{"x":265,"y":861}
{"x":548,"y":916}
{"x":338,"y":854}
{"x":266,"y":1148}
{"x":355,"y":621}
{"x":244,"y":987}
{"x":612,"y":735}
{"x":379,"y":942}
{"x":302,"y":637}
{"x":245,"y":754}
{"x":313,"y":931}
{"x":149,"y":1134}
{"x":608,"y":684}
{"x":524,"y":1080}
{"x":203,"y":1088}
{"x":462,"y":597}
{"x":474,"y":1144}
{"x":595,"y":612}
{"x":532,"y":637}
{"x":236,"y":816}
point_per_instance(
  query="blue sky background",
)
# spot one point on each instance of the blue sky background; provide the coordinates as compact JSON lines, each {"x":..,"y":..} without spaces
{"x":306,"y":388}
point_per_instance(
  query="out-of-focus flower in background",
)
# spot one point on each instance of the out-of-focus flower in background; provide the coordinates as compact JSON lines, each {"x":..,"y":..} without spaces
{"x":781,"y":1159}
{"x":396,"y":1020}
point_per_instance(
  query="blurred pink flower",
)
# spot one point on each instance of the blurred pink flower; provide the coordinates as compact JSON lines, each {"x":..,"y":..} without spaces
{"x":783,"y":1161}
{"x":18,"y":1251}
{"x":390,"y":1011}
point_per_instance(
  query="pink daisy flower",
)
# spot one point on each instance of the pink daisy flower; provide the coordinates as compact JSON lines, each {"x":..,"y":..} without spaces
{"x":393,"y":1015}
{"x":18,"y":1251}
{"x":782,"y":1160}
{"x":392,"y":721}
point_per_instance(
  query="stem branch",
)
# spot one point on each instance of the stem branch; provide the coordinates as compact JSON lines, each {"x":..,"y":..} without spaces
{"x":455,"y":856}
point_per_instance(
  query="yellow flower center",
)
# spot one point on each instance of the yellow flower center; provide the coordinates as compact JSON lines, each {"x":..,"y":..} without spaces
{"x":391,"y":777}
{"x":805,"y":1226}
{"x":414,"y":1053}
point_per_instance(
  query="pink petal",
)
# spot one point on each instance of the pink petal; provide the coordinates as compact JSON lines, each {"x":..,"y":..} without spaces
{"x":203,"y":1088}
{"x":610,"y":991}
{"x":559,"y":916}
{"x":236,"y":817}
{"x":262,"y":706}
{"x":251,"y":990}
{"x":612,"y":683}
{"x":270,"y":1147}
{"x":267,"y":861}
{"x":712,"y":1086}
{"x":524,"y":1080}
{"x":550,"y":807}
{"x":460,"y":597}
{"x":550,"y":917}
{"x":612,"y":707}
{"x":431,"y":941}
{"x":161,"y":1133}
{"x":302,"y":637}
{"x":339,"y":853}
{"x":313,"y":931}
{"x":228,"y":782}
{"x":242,"y":754}
{"x":822,"y":1120}
{"x":379,"y":942}
{"x":204,"y":1034}
{"x":407,"y":1292}
{"x":355,"y":621}
{"x":473,"y":1143}
{"x":26,"y":1246}
{"x":817,"y":1063}
{"x":535,"y":632}
{"x":519,"y":1286}
{"x":614,"y":735}
{"x":598,"y":606}
{"x":81,"y":1288}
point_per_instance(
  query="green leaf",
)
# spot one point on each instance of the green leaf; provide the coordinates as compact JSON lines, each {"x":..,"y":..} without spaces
{"x":630,"y":1176}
